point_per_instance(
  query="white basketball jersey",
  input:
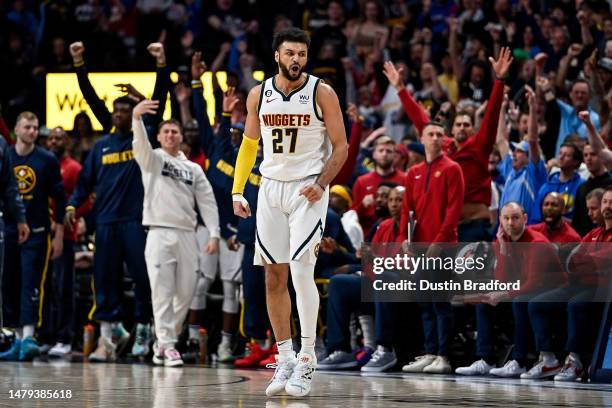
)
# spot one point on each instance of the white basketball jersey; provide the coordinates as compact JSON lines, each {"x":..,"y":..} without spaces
{"x":295,"y":142}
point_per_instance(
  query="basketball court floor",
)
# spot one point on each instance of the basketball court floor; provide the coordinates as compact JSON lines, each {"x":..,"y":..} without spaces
{"x":141,"y":385}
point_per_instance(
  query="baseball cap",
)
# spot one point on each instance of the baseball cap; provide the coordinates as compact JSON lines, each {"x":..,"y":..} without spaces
{"x":522,"y":146}
{"x":343,"y":192}
{"x":417,"y":147}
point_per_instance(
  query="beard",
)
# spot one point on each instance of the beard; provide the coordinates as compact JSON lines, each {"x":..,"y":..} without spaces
{"x":288,"y":73}
{"x":382,"y":212}
{"x":59,"y":152}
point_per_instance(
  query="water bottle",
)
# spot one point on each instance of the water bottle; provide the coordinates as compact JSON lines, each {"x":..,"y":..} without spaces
{"x":203,"y":345}
{"x":88,"y":340}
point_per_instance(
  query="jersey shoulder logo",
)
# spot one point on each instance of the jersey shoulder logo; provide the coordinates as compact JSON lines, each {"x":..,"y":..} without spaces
{"x":304,"y":99}
{"x":26,"y":178}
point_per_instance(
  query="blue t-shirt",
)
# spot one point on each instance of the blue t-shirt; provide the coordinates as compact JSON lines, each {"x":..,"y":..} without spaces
{"x":521,"y":185}
{"x":567,"y":189}
{"x":39,"y":181}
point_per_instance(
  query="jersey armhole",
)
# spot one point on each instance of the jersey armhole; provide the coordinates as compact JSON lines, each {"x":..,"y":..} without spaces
{"x":261,"y":92}
{"x":314,"y":100}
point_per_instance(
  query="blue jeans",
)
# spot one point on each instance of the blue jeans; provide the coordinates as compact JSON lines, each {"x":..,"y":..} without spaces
{"x":475,"y":231}
{"x":546,"y":308}
{"x":344,"y":298}
{"x":485,"y":317}
{"x":256,"y":320}
{"x":437,"y":320}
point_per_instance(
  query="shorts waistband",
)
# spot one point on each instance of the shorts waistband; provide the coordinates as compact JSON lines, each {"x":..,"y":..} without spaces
{"x":292,"y":181}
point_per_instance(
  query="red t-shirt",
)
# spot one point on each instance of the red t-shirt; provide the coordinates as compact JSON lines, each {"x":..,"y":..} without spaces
{"x":537,"y":266}
{"x":367,"y":184}
{"x":562,"y":235}
{"x":434,"y":191}
{"x":473,"y":154}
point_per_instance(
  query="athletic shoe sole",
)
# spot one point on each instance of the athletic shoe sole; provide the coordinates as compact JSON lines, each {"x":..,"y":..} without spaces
{"x":380,"y":369}
{"x":339,"y":366}
{"x":173,"y":363}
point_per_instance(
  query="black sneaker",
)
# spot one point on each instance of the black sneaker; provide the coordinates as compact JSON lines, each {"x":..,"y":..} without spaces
{"x":192,"y":351}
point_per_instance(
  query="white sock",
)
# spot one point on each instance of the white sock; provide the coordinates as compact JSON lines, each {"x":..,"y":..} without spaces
{"x":194,"y":332}
{"x":367,"y":327}
{"x":106,"y":330}
{"x":28,"y":330}
{"x":226,"y":338}
{"x":576,"y":358}
{"x":307,"y":302}
{"x":19,"y":333}
{"x":548,"y":357}
{"x":285,"y":348}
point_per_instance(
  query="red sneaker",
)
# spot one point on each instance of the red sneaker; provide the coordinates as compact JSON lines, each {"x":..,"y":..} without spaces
{"x":271,"y":359}
{"x":255,"y":355}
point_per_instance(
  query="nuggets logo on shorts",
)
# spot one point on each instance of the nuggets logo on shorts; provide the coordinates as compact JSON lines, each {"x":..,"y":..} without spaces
{"x":316,"y":249}
{"x":26,"y":178}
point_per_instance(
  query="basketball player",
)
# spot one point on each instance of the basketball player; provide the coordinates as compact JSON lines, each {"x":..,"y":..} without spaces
{"x":298,"y":117}
{"x":173,"y":188}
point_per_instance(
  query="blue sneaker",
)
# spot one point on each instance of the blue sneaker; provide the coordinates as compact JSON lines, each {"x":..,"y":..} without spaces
{"x":142,"y":340}
{"x":29,"y":349}
{"x":12,"y":354}
{"x":120,"y":337}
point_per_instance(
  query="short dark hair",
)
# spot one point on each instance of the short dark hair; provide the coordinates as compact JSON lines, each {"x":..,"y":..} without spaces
{"x":577,"y":155}
{"x":580,"y":81}
{"x":608,"y":188}
{"x":389,"y":184}
{"x":170,"y":122}
{"x":434,"y":123}
{"x":464,"y":113}
{"x":291,"y":34}
{"x":125,"y":100}
{"x":597,"y":193}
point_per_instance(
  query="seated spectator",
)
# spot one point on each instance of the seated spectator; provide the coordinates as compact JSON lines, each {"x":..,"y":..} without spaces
{"x":340,"y":200}
{"x":387,"y":232}
{"x":555,"y":227}
{"x":536,"y":260}
{"x":600,"y":178}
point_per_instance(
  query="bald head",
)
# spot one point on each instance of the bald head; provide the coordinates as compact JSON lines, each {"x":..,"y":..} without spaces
{"x":553,"y":208}
{"x":57,"y":141}
{"x":513,"y":220}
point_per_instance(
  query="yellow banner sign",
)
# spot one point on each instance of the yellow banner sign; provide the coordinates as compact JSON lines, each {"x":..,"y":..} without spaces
{"x":65,"y":100}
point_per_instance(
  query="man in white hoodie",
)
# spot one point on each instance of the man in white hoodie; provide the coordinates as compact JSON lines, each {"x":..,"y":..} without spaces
{"x":173,"y":188}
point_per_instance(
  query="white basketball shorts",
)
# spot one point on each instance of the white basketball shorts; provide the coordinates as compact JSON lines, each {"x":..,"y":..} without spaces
{"x":289,"y":227}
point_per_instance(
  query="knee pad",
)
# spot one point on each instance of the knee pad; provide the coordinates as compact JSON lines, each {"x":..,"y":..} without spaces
{"x":230,"y":297}
{"x":199,"y":298}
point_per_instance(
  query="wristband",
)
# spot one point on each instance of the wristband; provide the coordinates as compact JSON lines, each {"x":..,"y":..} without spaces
{"x":79,"y":64}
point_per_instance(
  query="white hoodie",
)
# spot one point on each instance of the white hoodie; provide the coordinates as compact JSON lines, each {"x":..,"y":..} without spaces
{"x":173,"y":187}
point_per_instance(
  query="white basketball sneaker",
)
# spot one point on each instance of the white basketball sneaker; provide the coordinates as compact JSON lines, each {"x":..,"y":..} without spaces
{"x":284,"y":370}
{"x":511,"y":369}
{"x":479,"y":367}
{"x":419,"y":364}
{"x":301,"y":380}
